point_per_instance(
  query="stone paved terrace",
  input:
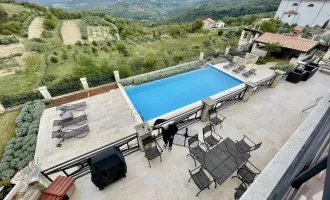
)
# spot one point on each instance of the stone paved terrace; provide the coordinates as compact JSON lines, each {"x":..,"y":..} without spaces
{"x":109,"y":119}
{"x":270,"y":116}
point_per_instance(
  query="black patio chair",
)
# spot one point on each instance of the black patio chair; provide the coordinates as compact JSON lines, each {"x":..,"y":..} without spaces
{"x":240,"y":191}
{"x":77,"y":107}
{"x":211,"y":138}
{"x":250,"y":73}
{"x":151,"y":148}
{"x":67,"y":134}
{"x":247,"y":173}
{"x":74,"y":121}
{"x":201,"y":179}
{"x":246,"y":145}
{"x":216,"y":118}
{"x":195,"y":149}
{"x":239,"y":69}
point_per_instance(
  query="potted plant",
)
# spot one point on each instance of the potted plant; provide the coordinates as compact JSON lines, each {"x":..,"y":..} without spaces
{"x":5,"y":188}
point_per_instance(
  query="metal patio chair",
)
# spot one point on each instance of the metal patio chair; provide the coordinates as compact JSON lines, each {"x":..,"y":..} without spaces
{"x":247,"y":173}
{"x":74,"y":121}
{"x":69,"y":107}
{"x":239,"y":69}
{"x":67,"y":134}
{"x":211,"y":138}
{"x":240,"y":191}
{"x":216,"y":118}
{"x":152,"y":149}
{"x":201,"y":179}
{"x":246,"y":145}
{"x":250,"y":73}
{"x":195,"y":149}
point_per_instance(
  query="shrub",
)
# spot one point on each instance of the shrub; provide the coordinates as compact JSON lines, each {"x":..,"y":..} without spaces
{"x":37,"y":46}
{"x":266,"y":59}
{"x":220,"y":32}
{"x":94,"y":43}
{"x":55,"y":53}
{"x":26,"y":24}
{"x":64,"y":56}
{"x":284,"y":67}
{"x":20,"y":150}
{"x":160,"y":74}
{"x":79,"y":43}
{"x":53,"y":59}
{"x":49,"y":24}
{"x":47,"y":34}
{"x":94,"y":50}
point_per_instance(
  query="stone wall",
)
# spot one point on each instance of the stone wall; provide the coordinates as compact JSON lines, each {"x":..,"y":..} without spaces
{"x":259,"y":52}
{"x":240,"y":61}
{"x":251,"y":58}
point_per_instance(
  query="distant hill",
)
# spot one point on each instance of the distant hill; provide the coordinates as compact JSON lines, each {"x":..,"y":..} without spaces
{"x":167,"y":10}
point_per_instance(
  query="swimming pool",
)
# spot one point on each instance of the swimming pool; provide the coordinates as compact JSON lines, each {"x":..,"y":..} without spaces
{"x":156,"y":98}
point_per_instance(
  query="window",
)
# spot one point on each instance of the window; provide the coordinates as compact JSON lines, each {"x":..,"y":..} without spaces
{"x":295,"y":4}
{"x":310,"y":5}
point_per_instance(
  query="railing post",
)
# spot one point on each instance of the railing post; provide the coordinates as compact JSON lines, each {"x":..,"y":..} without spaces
{"x":208,"y":105}
{"x":227,"y":49}
{"x":2,"y":109}
{"x":117,"y":77}
{"x":84,"y":83}
{"x":249,"y":90}
{"x":201,"y":56}
{"x":44,"y":92}
{"x":143,"y":130}
{"x":278,"y":78}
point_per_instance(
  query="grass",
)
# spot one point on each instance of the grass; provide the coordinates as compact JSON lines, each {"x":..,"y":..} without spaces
{"x":7,"y":128}
{"x":13,"y":9}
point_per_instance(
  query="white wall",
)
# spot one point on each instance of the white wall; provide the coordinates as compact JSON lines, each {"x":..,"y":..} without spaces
{"x":311,"y":16}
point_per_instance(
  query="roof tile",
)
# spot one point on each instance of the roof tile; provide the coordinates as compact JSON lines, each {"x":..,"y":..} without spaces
{"x":299,"y":44}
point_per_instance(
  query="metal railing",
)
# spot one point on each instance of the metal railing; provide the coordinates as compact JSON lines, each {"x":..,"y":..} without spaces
{"x":78,"y":167}
{"x":187,"y":118}
{"x":263,"y":84}
{"x":230,"y":99}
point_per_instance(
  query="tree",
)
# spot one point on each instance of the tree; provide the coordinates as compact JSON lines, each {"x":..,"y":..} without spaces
{"x":197,"y":25}
{"x":273,"y":48}
{"x":174,"y":30}
{"x":325,"y":39}
{"x":49,"y":24}
{"x":220,"y":32}
{"x":270,"y":26}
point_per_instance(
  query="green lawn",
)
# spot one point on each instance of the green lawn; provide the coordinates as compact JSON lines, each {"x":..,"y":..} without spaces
{"x":7,"y":128}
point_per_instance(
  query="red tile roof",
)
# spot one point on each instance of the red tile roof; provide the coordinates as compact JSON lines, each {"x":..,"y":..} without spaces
{"x":58,"y":188}
{"x":289,"y":42}
{"x":290,"y":12}
{"x":209,"y":20}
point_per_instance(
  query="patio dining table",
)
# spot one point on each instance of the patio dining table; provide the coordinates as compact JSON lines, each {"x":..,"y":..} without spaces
{"x":223,"y":160}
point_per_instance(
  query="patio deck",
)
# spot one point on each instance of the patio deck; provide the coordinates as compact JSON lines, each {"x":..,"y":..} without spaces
{"x":270,"y":116}
{"x":108,"y":117}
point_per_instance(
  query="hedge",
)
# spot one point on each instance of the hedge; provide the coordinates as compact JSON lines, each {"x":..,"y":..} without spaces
{"x":101,"y":80}
{"x":19,"y":99}
{"x":20,"y":150}
{"x":61,"y":89}
{"x":145,"y":78}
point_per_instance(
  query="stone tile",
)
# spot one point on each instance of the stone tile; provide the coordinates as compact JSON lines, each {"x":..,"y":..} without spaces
{"x":135,"y":187}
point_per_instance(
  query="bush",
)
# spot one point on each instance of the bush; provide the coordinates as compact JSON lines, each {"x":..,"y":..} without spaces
{"x":79,"y":43}
{"x":47,"y":34}
{"x":20,"y":150}
{"x":94,"y":50}
{"x":266,"y":59}
{"x":137,"y":80}
{"x":94,"y":43}
{"x":220,"y":32}
{"x":26,"y":24}
{"x":64,"y":56}
{"x":284,"y":67}
{"x":8,"y":40}
{"x":37,"y":46}
{"x":54,"y":59}
{"x":49,"y":24}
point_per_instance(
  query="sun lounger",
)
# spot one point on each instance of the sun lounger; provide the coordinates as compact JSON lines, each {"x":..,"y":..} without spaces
{"x":78,"y":107}
{"x":74,"y":121}
{"x":65,"y":135}
{"x":250,"y":73}
{"x":228,"y":66}
{"x":239,"y":69}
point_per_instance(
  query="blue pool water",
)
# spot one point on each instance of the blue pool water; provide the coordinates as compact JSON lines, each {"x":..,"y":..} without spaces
{"x":156,"y":98}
